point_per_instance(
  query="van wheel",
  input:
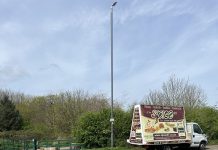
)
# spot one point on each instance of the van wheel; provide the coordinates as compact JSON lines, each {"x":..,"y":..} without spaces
{"x":167,"y":147}
{"x":202,"y":146}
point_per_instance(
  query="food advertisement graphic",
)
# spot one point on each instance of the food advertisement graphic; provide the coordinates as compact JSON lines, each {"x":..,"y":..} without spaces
{"x":161,"y":122}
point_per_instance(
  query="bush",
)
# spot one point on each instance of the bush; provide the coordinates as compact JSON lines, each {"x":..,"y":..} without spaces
{"x":207,"y":118}
{"x":94,"y":128}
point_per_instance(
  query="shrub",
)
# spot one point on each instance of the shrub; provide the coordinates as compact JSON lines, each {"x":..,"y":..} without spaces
{"x":94,"y":128}
{"x":207,"y":118}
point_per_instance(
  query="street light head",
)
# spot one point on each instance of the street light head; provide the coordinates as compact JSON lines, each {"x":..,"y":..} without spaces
{"x":114,"y":3}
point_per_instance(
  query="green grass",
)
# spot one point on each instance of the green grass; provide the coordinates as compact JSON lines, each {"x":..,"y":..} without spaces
{"x":119,"y":148}
{"x":213,"y":142}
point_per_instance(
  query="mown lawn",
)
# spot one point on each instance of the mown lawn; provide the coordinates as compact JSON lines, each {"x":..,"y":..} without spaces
{"x":213,"y":142}
{"x":120,"y":148}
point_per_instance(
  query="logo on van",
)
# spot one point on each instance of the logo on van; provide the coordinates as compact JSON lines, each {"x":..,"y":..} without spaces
{"x":162,"y":114}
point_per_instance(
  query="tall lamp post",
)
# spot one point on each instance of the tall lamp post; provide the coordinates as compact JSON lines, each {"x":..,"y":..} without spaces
{"x":112,"y":117}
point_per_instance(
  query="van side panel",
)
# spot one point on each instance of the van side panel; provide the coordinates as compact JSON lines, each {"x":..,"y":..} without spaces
{"x":152,"y":124}
{"x":163,"y":122}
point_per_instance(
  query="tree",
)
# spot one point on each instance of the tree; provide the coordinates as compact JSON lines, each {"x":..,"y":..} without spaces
{"x":177,"y":92}
{"x":54,"y":115}
{"x":10,"y":119}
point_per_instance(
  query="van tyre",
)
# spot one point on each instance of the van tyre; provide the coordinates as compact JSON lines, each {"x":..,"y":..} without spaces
{"x":167,"y":147}
{"x":202,"y":146}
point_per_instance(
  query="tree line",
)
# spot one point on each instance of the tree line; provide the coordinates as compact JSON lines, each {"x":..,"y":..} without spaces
{"x":85,"y":116}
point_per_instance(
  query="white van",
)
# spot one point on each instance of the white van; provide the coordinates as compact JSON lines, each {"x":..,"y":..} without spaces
{"x":164,"y":128}
{"x":198,"y":138}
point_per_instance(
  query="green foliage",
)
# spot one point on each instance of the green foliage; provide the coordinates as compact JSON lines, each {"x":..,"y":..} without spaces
{"x":21,"y":134}
{"x":55,"y":115}
{"x":10,"y":118}
{"x":93,"y":128}
{"x":213,"y":142}
{"x":207,"y":118}
{"x":119,"y":148}
{"x":122,"y":126}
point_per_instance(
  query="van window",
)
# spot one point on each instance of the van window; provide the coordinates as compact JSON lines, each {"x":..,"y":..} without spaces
{"x":197,"y":129}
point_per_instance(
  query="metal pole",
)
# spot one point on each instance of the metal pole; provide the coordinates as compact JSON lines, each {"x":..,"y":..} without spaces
{"x":112,"y":134}
{"x":112,"y":96}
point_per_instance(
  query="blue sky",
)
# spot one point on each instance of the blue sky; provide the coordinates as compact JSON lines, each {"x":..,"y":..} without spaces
{"x":48,"y":46}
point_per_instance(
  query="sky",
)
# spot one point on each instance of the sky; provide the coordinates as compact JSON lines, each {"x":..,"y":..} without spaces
{"x":48,"y":46}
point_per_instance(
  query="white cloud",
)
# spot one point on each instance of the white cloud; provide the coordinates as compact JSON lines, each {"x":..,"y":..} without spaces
{"x":153,"y":8}
{"x":60,"y":48}
{"x":85,"y":19}
{"x":50,"y":67}
{"x":11,"y":73}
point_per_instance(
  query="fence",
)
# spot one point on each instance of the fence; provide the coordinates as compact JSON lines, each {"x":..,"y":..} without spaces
{"x":14,"y":144}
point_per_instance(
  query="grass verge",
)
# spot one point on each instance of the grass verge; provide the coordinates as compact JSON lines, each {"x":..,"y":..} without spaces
{"x":120,"y":148}
{"x":213,"y":142}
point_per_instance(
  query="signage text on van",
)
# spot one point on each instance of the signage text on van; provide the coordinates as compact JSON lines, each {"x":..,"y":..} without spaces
{"x":163,"y":113}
